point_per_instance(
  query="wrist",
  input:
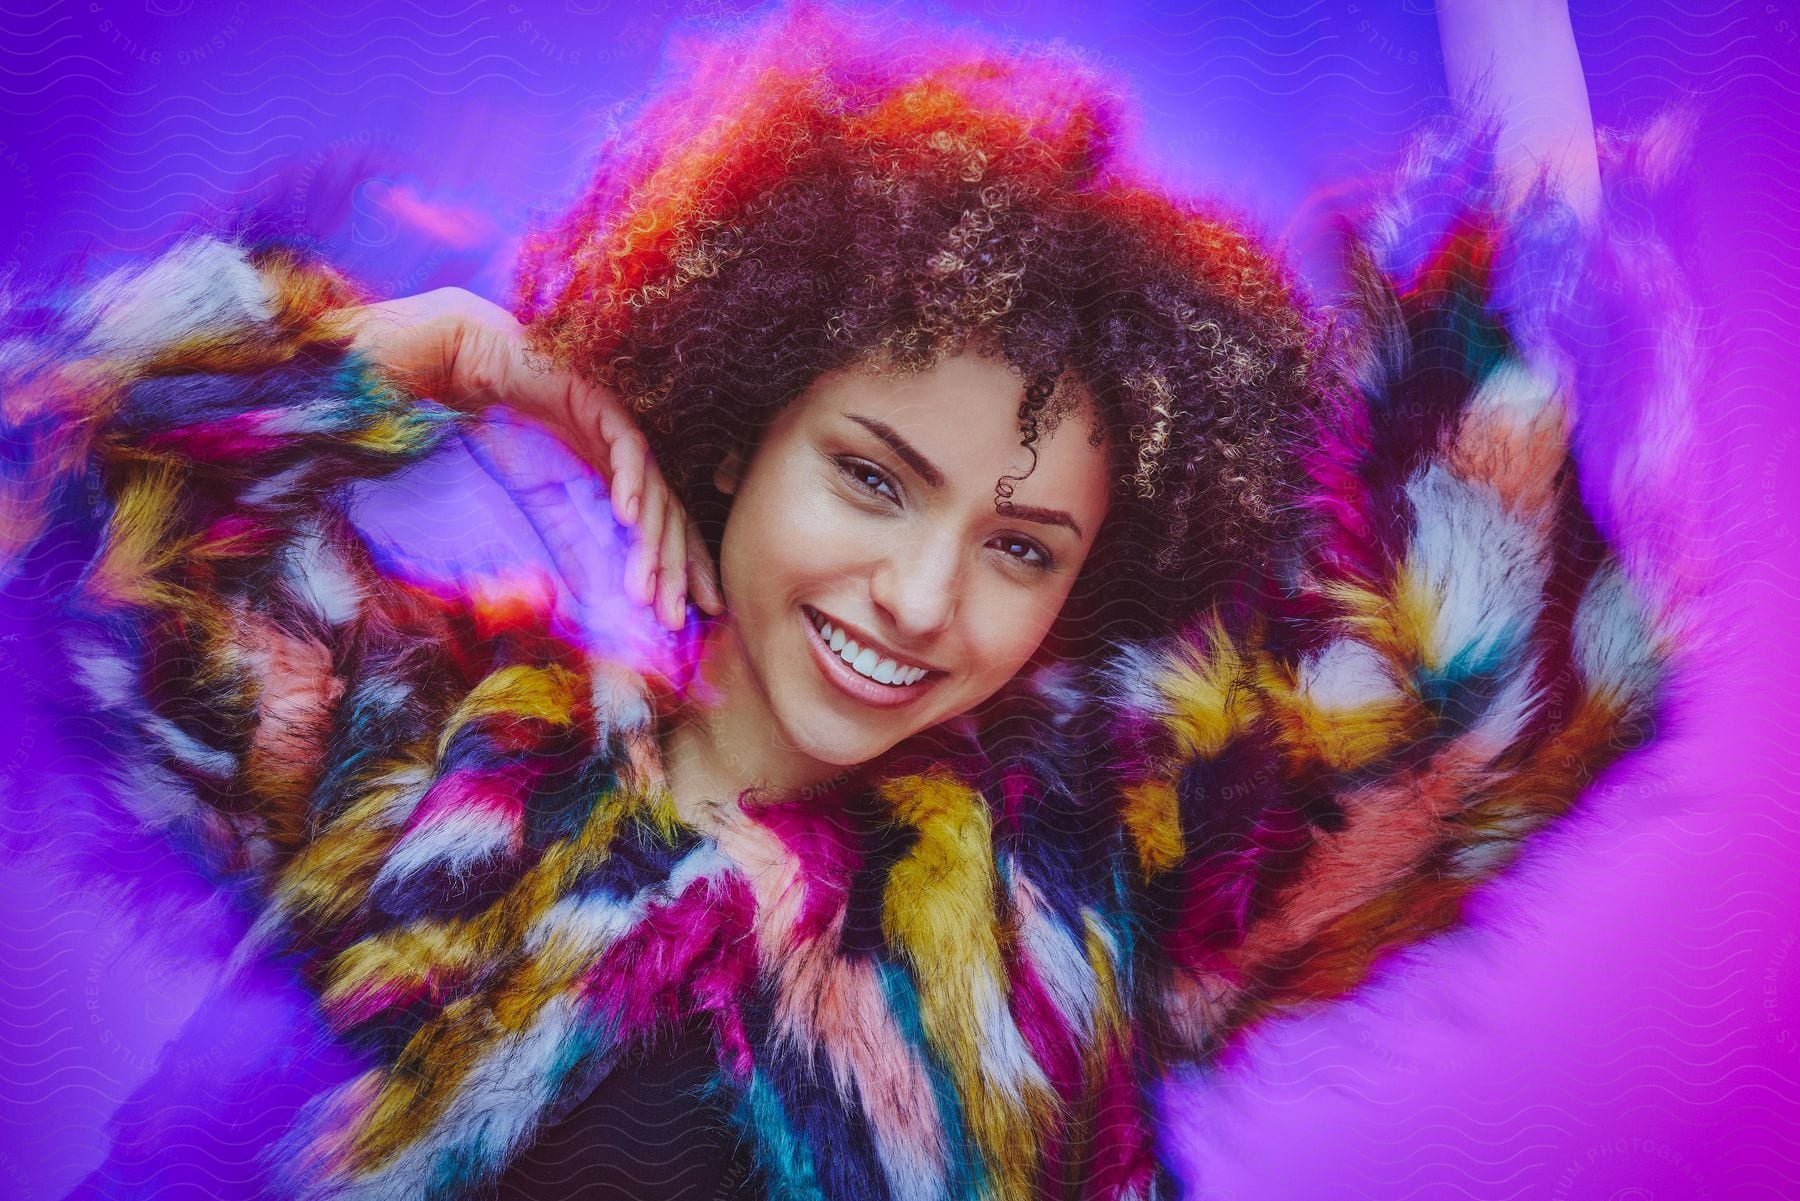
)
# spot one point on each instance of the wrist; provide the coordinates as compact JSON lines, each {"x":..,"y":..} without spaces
{"x":420,"y":341}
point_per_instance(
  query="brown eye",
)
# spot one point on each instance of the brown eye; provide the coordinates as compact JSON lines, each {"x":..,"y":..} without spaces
{"x":1044,"y":561}
{"x":861,"y":472}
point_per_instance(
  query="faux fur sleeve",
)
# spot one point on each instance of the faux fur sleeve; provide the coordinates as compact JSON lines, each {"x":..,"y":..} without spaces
{"x":177,"y":433}
{"x":1489,"y":619}
{"x":334,"y":739}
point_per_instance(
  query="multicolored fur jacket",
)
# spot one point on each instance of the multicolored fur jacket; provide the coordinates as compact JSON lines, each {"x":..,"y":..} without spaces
{"x":439,"y":820}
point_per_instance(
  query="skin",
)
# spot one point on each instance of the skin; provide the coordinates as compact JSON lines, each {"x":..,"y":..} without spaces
{"x":1518,"y":59}
{"x":931,"y":571}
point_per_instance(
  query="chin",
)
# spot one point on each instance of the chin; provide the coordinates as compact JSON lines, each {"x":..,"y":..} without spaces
{"x":829,"y":743}
{"x":832,"y":738}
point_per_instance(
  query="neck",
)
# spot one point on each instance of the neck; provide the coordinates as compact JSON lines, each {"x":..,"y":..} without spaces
{"x":724,"y":739}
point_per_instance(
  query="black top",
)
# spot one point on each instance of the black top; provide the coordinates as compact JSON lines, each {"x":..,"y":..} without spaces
{"x":643,"y":1134}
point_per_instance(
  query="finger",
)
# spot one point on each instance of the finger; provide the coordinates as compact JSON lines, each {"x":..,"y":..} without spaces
{"x":672,"y":569}
{"x":630,"y":455}
{"x":621,"y":442}
{"x":704,"y":579}
{"x":642,"y":577}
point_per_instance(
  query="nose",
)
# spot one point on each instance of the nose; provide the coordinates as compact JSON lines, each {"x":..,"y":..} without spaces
{"x":915,"y":586}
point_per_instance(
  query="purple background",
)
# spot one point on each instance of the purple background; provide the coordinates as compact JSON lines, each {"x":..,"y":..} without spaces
{"x":1623,"y":1022}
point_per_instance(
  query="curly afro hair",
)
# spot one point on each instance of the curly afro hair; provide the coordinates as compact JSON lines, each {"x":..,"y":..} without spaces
{"x":812,"y":192}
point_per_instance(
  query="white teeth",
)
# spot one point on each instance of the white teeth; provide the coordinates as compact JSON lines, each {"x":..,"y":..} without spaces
{"x":865,"y":661}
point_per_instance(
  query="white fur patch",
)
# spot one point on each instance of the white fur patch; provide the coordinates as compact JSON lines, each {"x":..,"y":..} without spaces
{"x":275,"y":486}
{"x":408,"y":784}
{"x":1515,"y":391}
{"x":587,"y":924}
{"x":317,"y":576}
{"x":111,"y":679}
{"x":456,"y":841}
{"x":911,"y":1176}
{"x":1130,"y":673}
{"x":1005,"y":1059}
{"x":705,"y":860}
{"x":583,"y":925}
{"x":1346,"y":674}
{"x":621,"y":698}
{"x":188,"y":751}
{"x":200,"y":285}
{"x":1615,"y":644}
{"x":154,"y":795}
{"x":1512,"y":706}
{"x":1486,"y":567}
{"x":1062,"y":964}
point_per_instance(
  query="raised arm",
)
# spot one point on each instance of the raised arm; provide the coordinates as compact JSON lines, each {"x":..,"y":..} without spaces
{"x":1471,"y":648}
{"x":346,"y":757}
{"x":1517,"y":59}
{"x":173,"y":426}
{"x":469,"y":353}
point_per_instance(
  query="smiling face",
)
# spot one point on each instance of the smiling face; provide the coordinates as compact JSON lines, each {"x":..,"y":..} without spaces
{"x":867,"y":516}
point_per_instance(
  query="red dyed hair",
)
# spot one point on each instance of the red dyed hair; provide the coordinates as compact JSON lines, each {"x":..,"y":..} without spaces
{"x":816,"y":190}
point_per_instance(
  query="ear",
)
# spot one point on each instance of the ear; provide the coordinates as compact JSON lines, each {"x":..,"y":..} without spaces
{"x":729,"y":473}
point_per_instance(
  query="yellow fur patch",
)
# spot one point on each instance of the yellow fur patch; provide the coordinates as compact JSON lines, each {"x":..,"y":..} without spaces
{"x":1207,"y":693}
{"x":1152,"y":818}
{"x":141,"y":545}
{"x":941,"y":910}
{"x":413,"y":954}
{"x":1372,"y":617}
{"x":549,"y":693}
{"x":322,"y":886}
{"x":1343,"y":738}
{"x":1109,"y":1013}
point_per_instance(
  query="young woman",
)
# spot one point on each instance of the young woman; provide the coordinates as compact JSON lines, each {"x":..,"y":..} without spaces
{"x":1105,"y":653}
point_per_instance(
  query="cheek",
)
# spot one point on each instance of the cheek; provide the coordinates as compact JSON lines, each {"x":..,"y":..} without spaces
{"x":784,"y":540}
{"x":1006,"y":626}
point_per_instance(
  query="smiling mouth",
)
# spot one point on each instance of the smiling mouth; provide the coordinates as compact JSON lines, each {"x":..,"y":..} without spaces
{"x":860,"y":676}
{"x":866,"y":660}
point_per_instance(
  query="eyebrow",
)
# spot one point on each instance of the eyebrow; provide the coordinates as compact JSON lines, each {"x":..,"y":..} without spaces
{"x":924,"y":466}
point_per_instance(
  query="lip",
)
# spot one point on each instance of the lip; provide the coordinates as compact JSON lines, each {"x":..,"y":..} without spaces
{"x":859,"y":687}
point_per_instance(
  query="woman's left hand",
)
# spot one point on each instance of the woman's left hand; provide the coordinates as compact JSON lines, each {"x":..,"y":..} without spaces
{"x":470,"y":353}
